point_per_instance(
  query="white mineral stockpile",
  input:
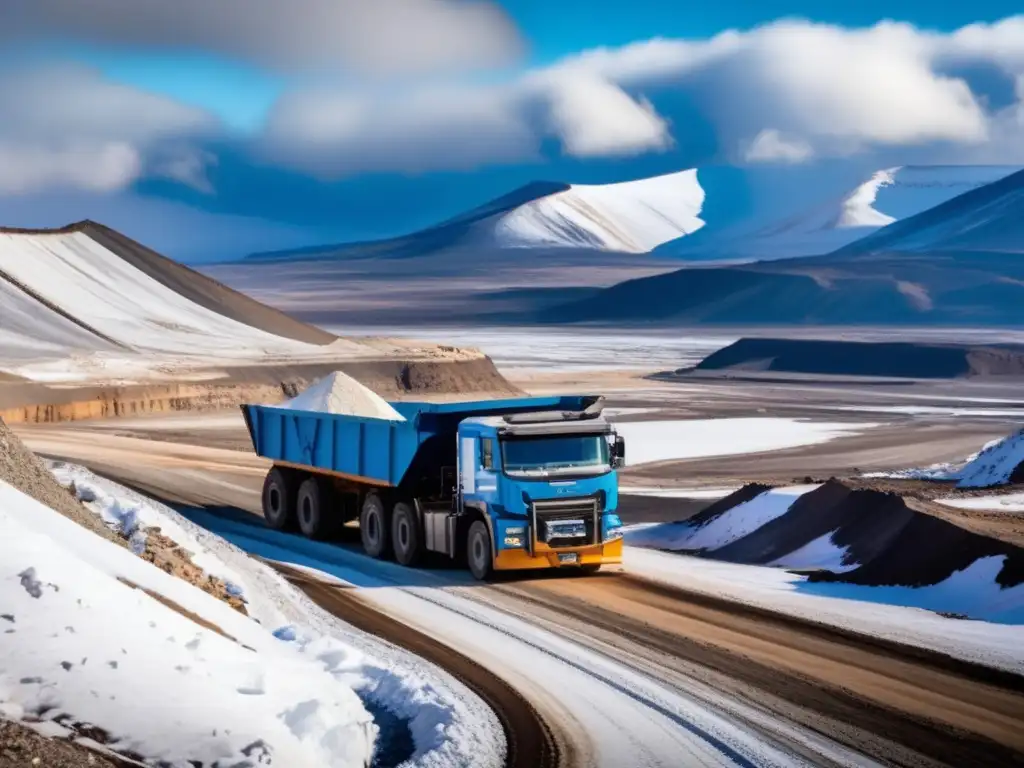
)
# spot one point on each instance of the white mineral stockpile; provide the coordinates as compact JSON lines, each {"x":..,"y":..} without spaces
{"x":341,"y":394}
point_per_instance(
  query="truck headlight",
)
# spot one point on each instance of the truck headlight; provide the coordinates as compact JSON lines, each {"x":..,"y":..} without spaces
{"x":613,"y":532}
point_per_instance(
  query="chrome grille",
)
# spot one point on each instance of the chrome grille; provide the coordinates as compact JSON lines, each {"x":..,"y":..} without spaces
{"x":566,"y":522}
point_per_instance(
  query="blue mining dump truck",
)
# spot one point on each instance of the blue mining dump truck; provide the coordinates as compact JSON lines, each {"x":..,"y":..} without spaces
{"x":500,"y":484}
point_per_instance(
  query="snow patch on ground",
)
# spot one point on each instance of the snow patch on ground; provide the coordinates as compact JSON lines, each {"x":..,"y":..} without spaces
{"x":450,"y":726}
{"x":995,"y":464}
{"x":130,"y":514}
{"x":651,"y":441}
{"x":972,"y":592}
{"x":731,"y":525}
{"x":677,"y":493}
{"x":868,"y":610}
{"x":938,"y":472}
{"x":87,"y":644}
{"x":1008,"y":502}
{"x":820,"y":554}
{"x":341,"y":394}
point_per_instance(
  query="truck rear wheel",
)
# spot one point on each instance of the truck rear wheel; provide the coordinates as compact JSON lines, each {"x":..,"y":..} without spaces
{"x":312,"y":504}
{"x":405,"y":535}
{"x":478,"y":550}
{"x":279,"y":500}
{"x":373,"y":527}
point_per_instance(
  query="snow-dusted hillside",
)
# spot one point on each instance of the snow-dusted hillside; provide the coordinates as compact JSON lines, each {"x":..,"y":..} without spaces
{"x":634,"y":216}
{"x":996,"y":464}
{"x":84,"y":302}
{"x":887,"y":196}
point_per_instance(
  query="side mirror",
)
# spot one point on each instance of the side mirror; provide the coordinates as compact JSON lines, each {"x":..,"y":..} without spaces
{"x":619,"y":452}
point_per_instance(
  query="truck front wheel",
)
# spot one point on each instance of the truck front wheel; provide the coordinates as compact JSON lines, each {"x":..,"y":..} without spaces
{"x":478,"y":550}
{"x":311,"y":508}
{"x":405,"y":535}
{"x":373,"y":527}
{"x":279,"y":500}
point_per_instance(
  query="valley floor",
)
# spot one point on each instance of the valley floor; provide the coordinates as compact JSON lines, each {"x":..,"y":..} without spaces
{"x":671,"y":658}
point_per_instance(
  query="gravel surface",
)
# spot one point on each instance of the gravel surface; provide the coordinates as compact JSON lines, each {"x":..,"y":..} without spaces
{"x":22,"y":469}
{"x":21,"y":747}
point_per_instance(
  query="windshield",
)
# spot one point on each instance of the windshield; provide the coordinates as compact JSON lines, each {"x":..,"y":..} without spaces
{"x":543,"y":454}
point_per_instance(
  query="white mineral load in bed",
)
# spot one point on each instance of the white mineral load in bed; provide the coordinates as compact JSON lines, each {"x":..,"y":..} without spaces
{"x":341,"y":394}
{"x":81,"y":279}
{"x":995,"y":464}
{"x":634,"y":216}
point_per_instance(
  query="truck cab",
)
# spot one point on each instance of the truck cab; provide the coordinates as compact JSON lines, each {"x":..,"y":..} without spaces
{"x":545,"y":487}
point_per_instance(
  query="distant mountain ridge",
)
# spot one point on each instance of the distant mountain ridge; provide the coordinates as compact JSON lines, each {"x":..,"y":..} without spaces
{"x":887,"y":196}
{"x":627,"y":217}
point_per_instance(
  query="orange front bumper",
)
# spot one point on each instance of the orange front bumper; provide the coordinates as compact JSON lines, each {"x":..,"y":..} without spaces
{"x":609,"y":553}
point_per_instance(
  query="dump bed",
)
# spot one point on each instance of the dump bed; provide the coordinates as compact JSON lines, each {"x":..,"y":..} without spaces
{"x":371,"y":450}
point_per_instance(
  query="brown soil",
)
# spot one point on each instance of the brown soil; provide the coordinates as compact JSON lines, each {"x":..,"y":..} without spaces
{"x":166,"y":555}
{"x":21,"y":747}
{"x":395,"y":379}
{"x":899,"y":705}
{"x":21,"y":468}
{"x":896,"y":541}
{"x":531,"y":741}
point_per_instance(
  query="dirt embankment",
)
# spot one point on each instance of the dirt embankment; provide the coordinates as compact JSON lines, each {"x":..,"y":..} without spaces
{"x":22,"y":469}
{"x":893,"y":541}
{"x":875,"y":359}
{"x":396,"y":379}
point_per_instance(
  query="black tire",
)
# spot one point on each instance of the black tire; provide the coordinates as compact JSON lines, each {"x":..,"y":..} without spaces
{"x":313,"y":508}
{"x":478,"y":551}
{"x":373,"y":527}
{"x":590,"y":570}
{"x":405,"y":535}
{"x":279,"y":500}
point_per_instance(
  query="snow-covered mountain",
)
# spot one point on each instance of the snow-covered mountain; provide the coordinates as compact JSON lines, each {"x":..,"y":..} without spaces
{"x":988,"y":219}
{"x":887,"y":196}
{"x":634,"y":217}
{"x":627,"y":217}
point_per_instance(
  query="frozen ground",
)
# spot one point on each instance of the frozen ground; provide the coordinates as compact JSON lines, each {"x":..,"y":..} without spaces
{"x":651,"y":441}
{"x":630,"y":717}
{"x":311,"y":659}
{"x":901,"y":614}
{"x":1007,"y":502}
{"x":83,"y":642}
{"x":524,"y":350}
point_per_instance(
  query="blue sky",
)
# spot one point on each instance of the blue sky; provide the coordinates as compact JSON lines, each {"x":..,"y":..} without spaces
{"x":294,"y":123}
{"x":243,"y":94}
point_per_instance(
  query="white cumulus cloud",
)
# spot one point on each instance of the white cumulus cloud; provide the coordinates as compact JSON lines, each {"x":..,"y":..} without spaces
{"x":790,"y":91}
{"x":363,"y":36}
{"x":341,"y":132}
{"x":769,"y":145}
{"x":67,"y":127}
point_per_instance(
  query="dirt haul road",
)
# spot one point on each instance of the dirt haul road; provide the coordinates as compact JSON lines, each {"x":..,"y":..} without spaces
{"x":625,"y":672}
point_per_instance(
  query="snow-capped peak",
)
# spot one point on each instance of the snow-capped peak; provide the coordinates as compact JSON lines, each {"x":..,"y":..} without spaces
{"x":857,"y":208}
{"x":634,"y":216}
